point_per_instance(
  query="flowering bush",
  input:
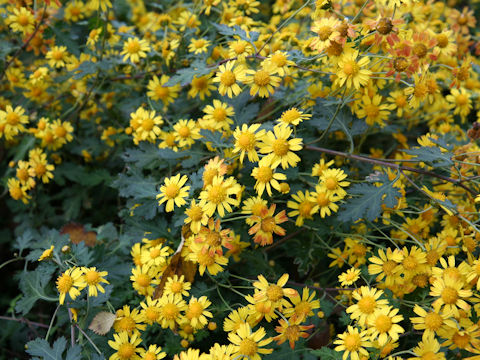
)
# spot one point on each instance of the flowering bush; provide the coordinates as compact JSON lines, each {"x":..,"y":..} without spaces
{"x":240,"y":179}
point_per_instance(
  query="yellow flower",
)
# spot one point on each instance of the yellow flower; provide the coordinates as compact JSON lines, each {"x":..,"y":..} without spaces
{"x":70,"y":282}
{"x":266,"y":177}
{"x":17,"y":191}
{"x":177,"y":285}
{"x":22,"y":20}
{"x":154,"y":352}
{"x":431,"y":322}
{"x":303,"y":306}
{"x":159,"y":92}
{"x":218,"y":116}
{"x":325,"y":201}
{"x":57,"y":56}
{"x":207,"y":260}
{"x":196,"y":217}
{"x":293,"y":116}
{"x":173,"y":192}
{"x":326,"y":30}
{"x":227,"y":76}
{"x":201,"y":86}
{"x":198,"y":46}
{"x":428,"y":348}
{"x":12,"y":121}
{"x":100,"y":4}
{"x":353,"y":343}
{"x":450,"y":295}
{"x":349,"y":277}
{"x":219,"y":195}
{"x":150,"y":311}
{"x":351,"y":71}
{"x":333,"y":180}
{"x":302,"y":205}
{"x":386,"y":265}
{"x":273,"y":294}
{"x":262,"y":81}
{"x":125,"y":346}
{"x":93,"y":278}
{"x":367,"y":303}
{"x":279,"y":62}
{"x":372,"y":109}
{"x":383,"y":324}
{"x":186,"y":132}
{"x":291,"y":330}
{"x":246,"y":141}
{"x":248,"y":344}
{"x":171,"y":306}
{"x":196,"y":312}
{"x":47,"y":254}
{"x":135,"y":49}
{"x":143,"y":278}
{"x":235,"y":318}
{"x":129,"y":321}
{"x":279,"y":148}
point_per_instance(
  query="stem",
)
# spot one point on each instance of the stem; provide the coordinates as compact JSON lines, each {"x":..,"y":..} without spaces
{"x":10,"y":261}
{"x":51,"y":322}
{"x":89,"y":340}
{"x":282,"y":240}
{"x":72,"y":328}
{"x":24,"y":320}
{"x":383,"y":162}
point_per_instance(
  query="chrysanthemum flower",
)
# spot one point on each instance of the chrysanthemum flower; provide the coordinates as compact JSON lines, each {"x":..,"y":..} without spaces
{"x":248,"y":344}
{"x":431,"y":322}
{"x":228,"y":77}
{"x":428,"y":348}
{"x":70,"y":282}
{"x":280,"y":63}
{"x":177,"y":285}
{"x":155,"y":256}
{"x":368,"y":301}
{"x":154,"y":352}
{"x":198,"y":46}
{"x":374,"y":110}
{"x":325,"y":201}
{"x":93,"y":279}
{"x":173,"y":192}
{"x":291,"y":331}
{"x":266,"y":177}
{"x":302,"y":205}
{"x":57,"y":56}
{"x":186,"y":132}
{"x":303,"y":305}
{"x":293,"y":116}
{"x":334,"y":181}
{"x":47,"y":254}
{"x":210,"y":261}
{"x":383,"y":324}
{"x":218,"y":116}
{"x":21,"y":20}
{"x":150,"y":311}
{"x":12,"y":121}
{"x":235,"y":318}
{"x":262,"y":81}
{"x":171,"y":306}
{"x":279,"y":148}
{"x":125,"y":346}
{"x":247,"y":140}
{"x":159,"y":92}
{"x":326,"y":29}
{"x":201,"y":86}
{"x":273,"y":294}
{"x":217,"y":196}
{"x":196,"y":217}
{"x":196,"y":312}
{"x":146,"y":125}
{"x":17,"y":191}
{"x":135,"y":49}
{"x":266,"y":224}
{"x":450,"y":295}
{"x":349,"y":277}
{"x":386,"y":265}
{"x":353,"y":343}
{"x":129,"y":321}
{"x":321,"y":166}
{"x":351,"y":71}
{"x":143,"y":279}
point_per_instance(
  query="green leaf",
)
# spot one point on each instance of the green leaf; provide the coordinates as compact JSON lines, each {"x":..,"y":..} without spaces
{"x":237,"y":31}
{"x":432,"y":155}
{"x":136,"y":186}
{"x":40,"y":347}
{"x":369,"y":203}
{"x":24,"y":240}
{"x":74,"y":353}
{"x":326,"y":353}
{"x":184,"y":76}
{"x":32,"y":284}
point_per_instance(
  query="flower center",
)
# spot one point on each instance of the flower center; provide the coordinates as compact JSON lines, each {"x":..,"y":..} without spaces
{"x":449,"y":295}
{"x":12,"y":118}
{"x":384,"y":26}
{"x":248,"y":347}
{"x":228,"y":78}
{"x":154,"y":253}
{"x":176,"y":287}
{"x":280,"y":147}
{"x":331,"y":183}
{"x":214,"y":239}
{"x":126,"y":324}
{"x":92,"y":277}
{"x":170,"y":311}
{"x":162,"y":92}
{"x":350,"y":68}
{"x":383,"y":323}
{"x":442,"y":40}
{"x":367,"y":304}
{"x":195,"y":309}
{"x":219,"y":114}
{"x":410,"y":263}
{"x":246,"y":141}
{"x":372,"y":110}
{"x":433,"y":321}
{"x":400,"y":64}
{"x":147,"y":124}
{"x":324,"y":32}
{"x":462,"y":99}
{"x":171,"y":191}
{"x":264,"y":174}
{"x":195,"y":213}
{"x":322,"y":199}
{"x":420,"y":50}
{"x":305,"y":208}
{"x":205,"y":259}
{"x":217,"y":194}
{"x":152,"y":313}
{"x":352,"y":342}
{"x":143,"y":280}
{"x":64,"y":283}
{"x":274,"y":292}
{"x":261,"y":78}
{"x":184,"y":131}
{"x":126,"y":351}
{"x":57,"y":55}
{"x":268,"y":224}
{"x":133,"y":47}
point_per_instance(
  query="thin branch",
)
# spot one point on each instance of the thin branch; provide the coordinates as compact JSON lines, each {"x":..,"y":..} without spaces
{"x":25,"y":321}
{"x":390,"y":165}
{"x":282,"y":240}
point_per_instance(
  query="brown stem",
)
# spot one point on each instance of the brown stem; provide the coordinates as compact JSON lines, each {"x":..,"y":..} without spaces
{"x":25,"y":321}
{"x":385,"y":163}
{"x":282,"y":240}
